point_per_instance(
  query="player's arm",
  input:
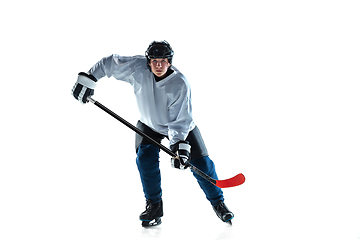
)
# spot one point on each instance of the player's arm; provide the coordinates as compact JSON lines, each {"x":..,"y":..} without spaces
{"x":114,"y":65}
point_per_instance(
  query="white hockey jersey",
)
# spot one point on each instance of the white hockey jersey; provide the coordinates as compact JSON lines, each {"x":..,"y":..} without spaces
{"x":164,"y":106}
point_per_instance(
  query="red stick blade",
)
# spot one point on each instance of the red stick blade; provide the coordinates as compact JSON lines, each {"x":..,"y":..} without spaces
{"x":231,"y":182}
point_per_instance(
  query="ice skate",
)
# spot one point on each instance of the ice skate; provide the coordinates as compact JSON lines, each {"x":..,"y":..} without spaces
{"x":152,"y":214}
{"x":223,"y":212}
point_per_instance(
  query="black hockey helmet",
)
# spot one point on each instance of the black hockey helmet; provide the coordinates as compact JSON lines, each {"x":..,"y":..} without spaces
{"x":159,"y":50}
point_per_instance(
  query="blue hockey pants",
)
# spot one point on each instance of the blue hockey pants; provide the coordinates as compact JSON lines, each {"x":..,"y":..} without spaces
{"x":148,"y":164}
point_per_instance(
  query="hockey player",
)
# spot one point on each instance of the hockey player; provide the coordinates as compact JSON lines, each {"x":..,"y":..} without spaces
{"x":164,"y":100}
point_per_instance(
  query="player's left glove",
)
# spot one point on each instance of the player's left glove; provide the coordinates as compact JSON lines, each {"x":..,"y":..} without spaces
{"x":84,"y":87}
{"x":182,"y":150}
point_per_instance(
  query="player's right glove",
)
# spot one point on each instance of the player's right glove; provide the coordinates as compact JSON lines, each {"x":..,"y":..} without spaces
{"x":84,"y":87}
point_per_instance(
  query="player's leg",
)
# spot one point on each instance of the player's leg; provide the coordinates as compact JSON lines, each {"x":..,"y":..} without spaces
{"x":212,"y":192}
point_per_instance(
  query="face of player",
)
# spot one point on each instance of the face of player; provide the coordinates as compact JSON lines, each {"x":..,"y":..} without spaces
{"x":159,"y":66}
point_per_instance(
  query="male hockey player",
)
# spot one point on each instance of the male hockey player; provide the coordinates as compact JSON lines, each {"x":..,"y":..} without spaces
{"x":164,"y":101}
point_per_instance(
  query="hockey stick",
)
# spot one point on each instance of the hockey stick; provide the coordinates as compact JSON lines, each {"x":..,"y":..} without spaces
{"x":231,"y":182}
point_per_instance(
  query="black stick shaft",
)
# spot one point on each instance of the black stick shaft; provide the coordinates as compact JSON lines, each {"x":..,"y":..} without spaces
{"x":129,"y":125}
{"x":138,"y":131}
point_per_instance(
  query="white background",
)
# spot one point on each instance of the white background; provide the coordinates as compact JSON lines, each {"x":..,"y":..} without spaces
{"x":275,"y":88}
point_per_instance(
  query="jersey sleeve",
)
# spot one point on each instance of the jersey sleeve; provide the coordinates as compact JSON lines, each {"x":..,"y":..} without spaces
{"x":121,"y":68}
{"x":180,"y":115}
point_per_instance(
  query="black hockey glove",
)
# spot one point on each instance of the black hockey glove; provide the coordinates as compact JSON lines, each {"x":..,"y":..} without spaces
{"x":182,"y":150}
{"x":84,"y":87}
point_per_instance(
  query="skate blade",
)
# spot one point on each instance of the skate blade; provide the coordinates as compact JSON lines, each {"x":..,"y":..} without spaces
{"x":229,"y":221}
{"x":152,"y":223}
